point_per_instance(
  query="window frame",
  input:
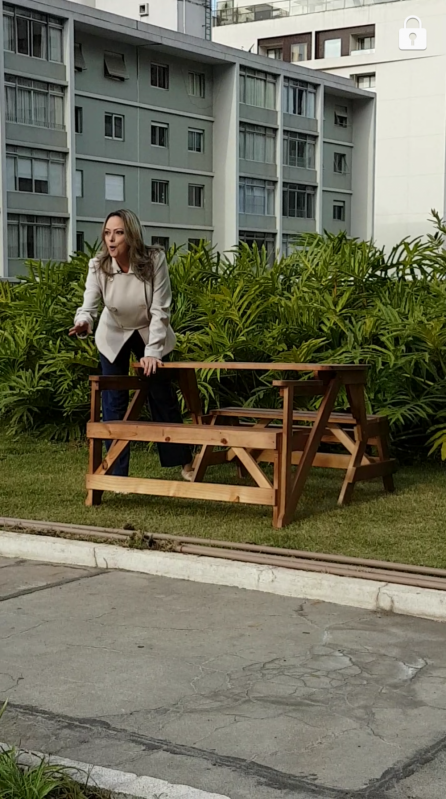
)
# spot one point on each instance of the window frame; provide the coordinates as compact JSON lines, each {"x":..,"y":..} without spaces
{"x":297,"y":94}
{"x":114,"y":118}
{"x":295,"y":46}
{"x":24,"y":221}
{"x":156,"y":190}
{"x":78,"y":119}
{"x":115,"y":199}
{"x":304,"y":138}
{"x":246,"y":130}
{"x":195,"y":191}
{"x":165,"y":72}
{"x":155,"y":127}
{"x":17,"y":153}
{"x":197,"y":84}
{"x":33,"y":88}
{"x":340,"y":165}
{"x":81,"y":173}
{"x":32,"y":18}
{"x":258,"y":76}
{"x":341,"y":205}
{"x":298,"y":189}
{"x":157,"y":239}
{"x":247,"y":196}
{"x":341,"y":112}
{"x":195,"y":132}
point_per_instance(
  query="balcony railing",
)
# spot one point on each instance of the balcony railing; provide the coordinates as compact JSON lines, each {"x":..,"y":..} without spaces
{"x":229,"y":12}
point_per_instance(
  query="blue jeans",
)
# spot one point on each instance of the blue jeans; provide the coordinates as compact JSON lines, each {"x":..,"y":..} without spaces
{"x":162,"y":401}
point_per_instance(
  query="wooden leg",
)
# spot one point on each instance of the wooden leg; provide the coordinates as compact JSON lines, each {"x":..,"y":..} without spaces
{"x":187,"y":380}
{"x":94,"y":496}
{"x":117,"y":447}
{"x":349,"y":480}
{"x":281,"y":516}
{"x":311,"y":447}
{"x":382,"y":445}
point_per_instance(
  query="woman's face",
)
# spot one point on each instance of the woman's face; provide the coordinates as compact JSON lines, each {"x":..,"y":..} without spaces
{"x":114,"y":238}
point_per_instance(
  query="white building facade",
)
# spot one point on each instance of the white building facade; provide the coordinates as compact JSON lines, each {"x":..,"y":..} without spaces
{"x":360,"y":40}
{"x":185,"y":16}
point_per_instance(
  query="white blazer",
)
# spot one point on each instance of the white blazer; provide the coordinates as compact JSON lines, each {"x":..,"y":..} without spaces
{"x":130,"y":304}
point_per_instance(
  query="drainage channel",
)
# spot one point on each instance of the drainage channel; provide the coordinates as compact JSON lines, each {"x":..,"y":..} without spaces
{"x":300,"y":560}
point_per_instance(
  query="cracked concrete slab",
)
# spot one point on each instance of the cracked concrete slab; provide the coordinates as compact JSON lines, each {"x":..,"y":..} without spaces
{"x":229,"y":691}
{"x":24,"y":576}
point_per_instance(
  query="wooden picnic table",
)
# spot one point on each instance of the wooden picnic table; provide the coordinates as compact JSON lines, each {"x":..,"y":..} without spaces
{"x":248,"y":436}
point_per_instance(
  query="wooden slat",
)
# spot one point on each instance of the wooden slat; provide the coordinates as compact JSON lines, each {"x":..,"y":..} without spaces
{"x":337,"y":417}
{"x":95,"y":446}
{"x":219,"y":436}
{"x":381,"y":469}
{"x":325,"y":460}
{"x":119,"y":382}
{"x":252,"y":468}
{"x":302,"y":388}
{"x":177,"y":488}
{"x":263,"y":367}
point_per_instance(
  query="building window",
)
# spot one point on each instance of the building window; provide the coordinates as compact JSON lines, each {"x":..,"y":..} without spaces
{"x":340,"y":163}
{"x":160,"y":241}
{"x":275,"y":52}
{"x":37,"y":237}
{"x":33,"y":102}
{"x":298,"y":201}
{"x":114,"y":188}
{"x":35,"y":171}
{"x":79,"y":60}
{"x":332,"y":48}
{"x":363,"y":43}
{"x":256,"y":196}
{"x":114,"y":126}
{"x":341,"y":116}
{"x":197,"y":84}
{"x":289,"y":244}
{"x":299,"y":98}
{"x":159,"y":134}
{"x":79,"y":183}
{"x":267,"y":240}
{"x":299,"y":52}
{"x":80,"y":241}
{"x":78,"y":119}
{"x":195,"y":140}
{"x":366,"y":81}
{"x":195,"y":196}
{"x":193,"y":243}
{"x":257,"y":143}
{"x":28,"y":33}
{"x":160,"y":192}
{"x":159,"y":76}
{"x":339,"y":210}
{"x":299,"y":150}
{"x":257,"y":88}
{"x":115,"y":66}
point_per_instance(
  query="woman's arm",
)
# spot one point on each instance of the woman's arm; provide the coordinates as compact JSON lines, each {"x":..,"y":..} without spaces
{"x":159,"y":310}
{"x":87,"y":313}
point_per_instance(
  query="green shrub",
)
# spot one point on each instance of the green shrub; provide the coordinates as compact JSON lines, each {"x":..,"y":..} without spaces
{"x":334,"y":299}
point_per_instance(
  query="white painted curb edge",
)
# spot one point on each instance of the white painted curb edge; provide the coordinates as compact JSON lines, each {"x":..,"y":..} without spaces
{"x":118,"y":782}
{"x":368,"y":594}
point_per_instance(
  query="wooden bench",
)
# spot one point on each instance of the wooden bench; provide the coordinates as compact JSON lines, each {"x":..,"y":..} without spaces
{"x":340,"y":429}
{"x":249,"y":437}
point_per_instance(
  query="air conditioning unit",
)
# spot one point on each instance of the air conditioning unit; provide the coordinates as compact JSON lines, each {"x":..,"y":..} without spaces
{"x":144,"y":10}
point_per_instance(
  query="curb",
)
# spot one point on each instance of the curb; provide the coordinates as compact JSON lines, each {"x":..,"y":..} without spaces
{"x":424,"y":603}
{"x":117,"y":782}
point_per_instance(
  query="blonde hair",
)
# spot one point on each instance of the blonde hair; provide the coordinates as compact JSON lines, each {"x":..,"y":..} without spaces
{"x":141,"y":257}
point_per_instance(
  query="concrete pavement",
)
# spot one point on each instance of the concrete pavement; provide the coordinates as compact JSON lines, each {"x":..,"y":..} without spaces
{"x":229,"y":691}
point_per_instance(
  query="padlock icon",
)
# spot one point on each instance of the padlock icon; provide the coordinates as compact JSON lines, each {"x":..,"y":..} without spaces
{"x":413,"y":38}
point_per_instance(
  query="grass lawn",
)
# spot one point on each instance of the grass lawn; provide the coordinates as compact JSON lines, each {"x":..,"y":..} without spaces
{"x":42,"y":480}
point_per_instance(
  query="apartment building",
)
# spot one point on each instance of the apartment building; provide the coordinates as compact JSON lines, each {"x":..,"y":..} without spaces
{"x":360,"y":40}
{"x":186,"y":16}
{"x":202,"y":141}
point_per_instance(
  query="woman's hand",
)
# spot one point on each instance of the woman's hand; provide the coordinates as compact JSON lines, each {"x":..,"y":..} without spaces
{"x":79,"y":329}
{"x":150,"y":365}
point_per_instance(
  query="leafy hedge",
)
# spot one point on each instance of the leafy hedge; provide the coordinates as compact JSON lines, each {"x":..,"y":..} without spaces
{"x":333,"y":299}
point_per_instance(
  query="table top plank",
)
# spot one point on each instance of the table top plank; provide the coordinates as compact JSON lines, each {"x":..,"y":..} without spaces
{"x":263,"y":367}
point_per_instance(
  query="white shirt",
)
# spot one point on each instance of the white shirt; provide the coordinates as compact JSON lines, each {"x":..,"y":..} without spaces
{"x":130,"y":304}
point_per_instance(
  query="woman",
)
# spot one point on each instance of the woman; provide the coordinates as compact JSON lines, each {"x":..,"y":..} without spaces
{"x":133,"y":282}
